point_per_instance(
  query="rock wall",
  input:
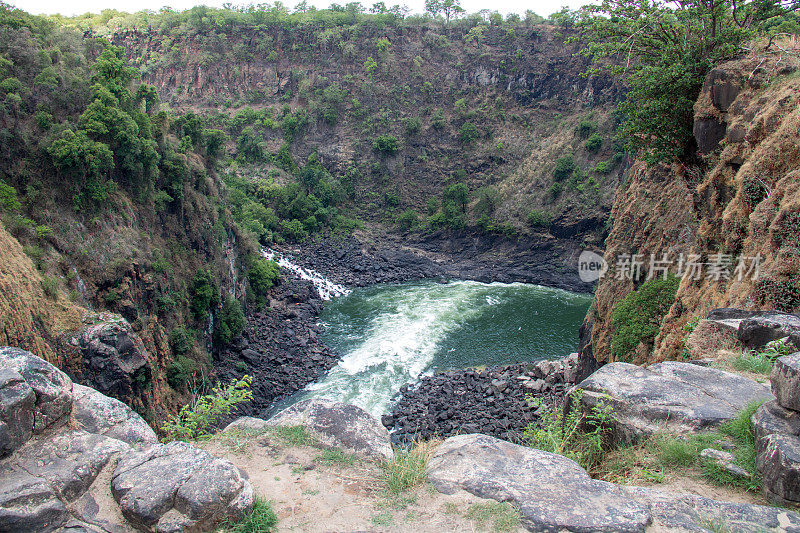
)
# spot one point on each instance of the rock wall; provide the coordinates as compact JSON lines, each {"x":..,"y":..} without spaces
{"x":740,"y":199}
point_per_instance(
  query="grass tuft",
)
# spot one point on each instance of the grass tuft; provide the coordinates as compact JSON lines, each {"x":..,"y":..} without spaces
{"x":409,"y":468}
{"x":335,"y":456}
{"x":294,"y":436}
{"x":260,"y":519}
{"x":503,"y":515}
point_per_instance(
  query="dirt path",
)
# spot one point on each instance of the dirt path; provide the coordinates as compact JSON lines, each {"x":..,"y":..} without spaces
{"x":314,"y":492}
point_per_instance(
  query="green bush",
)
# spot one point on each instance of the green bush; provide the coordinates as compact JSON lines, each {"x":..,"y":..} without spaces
{"x":565,"y":167}
{"x":205,"y":295}
{"x":293,"y":229}
{"x":180,"y":340}
{"x":594,"y":142}
{"x":180,"y":371}
{"x":230,"y":322}
{"x":412,"y":125}
{"x":407,"y":220}
{"x":193,"y":422}
{"x":637,"y":318}
{"x":554,"y":191}
{"x":761,"y":362}
{"x":392,"y":198}
{"x":260,"y":519}
{"x":468,"y":133}
{"x":586,"y":128}
{"x":262,"y":275}
{"x":386,"y":145}
{"x":539,"y":219}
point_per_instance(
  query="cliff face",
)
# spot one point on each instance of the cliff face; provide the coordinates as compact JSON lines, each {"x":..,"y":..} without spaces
{"x":741,"y":200}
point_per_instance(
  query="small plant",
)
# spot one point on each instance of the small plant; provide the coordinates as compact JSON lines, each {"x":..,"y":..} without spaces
{"x":407,"y":220}
{"x":230,"y":323}
{"x":586,"y":128}
{"x":260,"y":519}
{"x":50,"y":287}
{"x":386,"y":145}
{"x":761,"y":362}
{"x":688,"y":329}
{"x":262,"y":275}
{"x":335,"y":456}
{"x":194,"y":421}
{"x":594,"y":142}
{"x":539,"y":219}
{"x":503,"y":515}
{"x":294,"y":436}
{"x":180,"y":340}
{"x":564,"y":168}
{"x":468,"y":133}
{"x":408,"y":468}
{"x":571,"y":432}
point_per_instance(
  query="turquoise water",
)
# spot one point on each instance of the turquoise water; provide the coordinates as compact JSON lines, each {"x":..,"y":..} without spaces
{"x":390,"y":335}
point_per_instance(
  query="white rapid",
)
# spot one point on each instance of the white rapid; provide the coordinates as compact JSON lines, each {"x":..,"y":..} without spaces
{"x":326,"y":288}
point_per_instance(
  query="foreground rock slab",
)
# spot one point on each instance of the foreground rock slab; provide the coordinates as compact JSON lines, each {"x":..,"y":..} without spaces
{"x":778,"y":450}
{"x":98,"y":413}
{"x":339,"y":425}
{"x":176,"y":487}
{"x":554,"y":493}
{"x":671,"y":396}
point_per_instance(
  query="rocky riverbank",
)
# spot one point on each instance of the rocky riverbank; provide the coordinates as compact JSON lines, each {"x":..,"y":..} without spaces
{"x":493,"y":401}
{"x":279,"y":347}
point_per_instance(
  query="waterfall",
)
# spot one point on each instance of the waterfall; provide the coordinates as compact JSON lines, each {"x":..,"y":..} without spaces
{"x":326,"y":288}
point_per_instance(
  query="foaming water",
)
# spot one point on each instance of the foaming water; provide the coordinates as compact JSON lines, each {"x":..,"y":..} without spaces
{"x":325,"y":287}
{"x":390,"y":335}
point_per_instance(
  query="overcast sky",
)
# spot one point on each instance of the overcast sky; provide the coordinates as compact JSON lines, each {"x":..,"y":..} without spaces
{"x":78,"y":7}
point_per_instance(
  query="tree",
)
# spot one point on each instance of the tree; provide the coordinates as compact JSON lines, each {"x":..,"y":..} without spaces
{"x":663,"y":50}
{"x":434,"y":7}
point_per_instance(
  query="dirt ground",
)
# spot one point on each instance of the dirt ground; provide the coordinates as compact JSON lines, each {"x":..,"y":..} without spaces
{"x":311,"y":494}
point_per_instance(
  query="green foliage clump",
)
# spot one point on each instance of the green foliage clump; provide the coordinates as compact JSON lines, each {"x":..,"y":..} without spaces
{"x":193,"y":422}
{"x":8,"y":197}
{"x":230,"y":322}
{"x":572,"y":432}
{"x":412,"y":125}
{"x":468,"y":133}
{"x":204,"y":294}
{"x":539,"y":219}
{"x":262,"y":275}
{"x":564,"y":168}
{"x":637,"y":318}
{"x":762,"y":361}
{"x":180,"y":340}
{"x":594,"y":142}
{"x":386,"y":145}
{"x":260,"y":519}
{"x":407,"y":220}
{"x":585,"y":128}
{"x":180,"y":370}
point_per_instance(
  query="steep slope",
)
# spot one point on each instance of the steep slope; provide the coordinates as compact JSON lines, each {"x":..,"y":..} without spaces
{"x":741,"y":200}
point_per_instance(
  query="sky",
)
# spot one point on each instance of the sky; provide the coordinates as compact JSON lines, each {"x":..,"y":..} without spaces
{"x":78,"y":7}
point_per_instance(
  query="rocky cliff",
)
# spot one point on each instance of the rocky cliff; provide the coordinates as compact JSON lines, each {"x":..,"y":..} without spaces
{"x":738,"y":200}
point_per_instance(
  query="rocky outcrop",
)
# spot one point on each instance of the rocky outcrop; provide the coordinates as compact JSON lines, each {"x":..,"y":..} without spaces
{"x":671,"y":396}
{"x":100,"y":414}
{"x":34,"y":395}
{"x":338,"y":425}
{"x":50,"y":475}
{"x":176,"y":487}
{"x":564,"y":497}
{"x":491,"y":401}
{"x":115,"y":361}
{"x":777,"y":431}
{"x":756,"y":331}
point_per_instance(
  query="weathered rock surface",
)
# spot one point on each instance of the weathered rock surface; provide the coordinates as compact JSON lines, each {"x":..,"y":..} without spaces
{"x":785,"y":380}
{"x":777,"y":432}
{"x":710,"y":336}
{"x":555,"y":494}
{"x":33,"y":396}
{"x":176,"y":487}
{"x":98,"y":413}
{"x":115,"y":361}
{"x":672,"y":396}
{"x":338,"y":425}
{"x":756,"y":331}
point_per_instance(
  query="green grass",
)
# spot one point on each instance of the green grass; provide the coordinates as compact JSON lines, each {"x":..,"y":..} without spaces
{"x":503,"y":515}
{"x":409,"y":468}
{"x":260,"y":519}
{"x":751,"y":361}
{"x":386,"y":518}
{"x":294,"y":436}
{"x":335,"y":456}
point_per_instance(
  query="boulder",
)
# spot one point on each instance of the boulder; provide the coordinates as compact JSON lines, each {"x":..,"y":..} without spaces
{"x":28,"y":503}
{"x":779,"y":465}
{"x":34,"y":395}
{"x":98,"y":413}
{"x":724,"y":460}
{"x":772,"y":418}
{"x":339,"y":425}
{"x":671,"y":396}
{"x":757,"y":331}
{"x":115,"y":361}
{"x":176,"y":487}
{"x":552,"y":492}
{"x":711,"y":336}
{"x":785,"y":380}
{"x":247,"y":424}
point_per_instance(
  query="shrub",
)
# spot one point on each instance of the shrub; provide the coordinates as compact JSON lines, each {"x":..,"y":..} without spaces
{"x":488,"y":200}
{"x":565,"y":167}
{"x":468,"y":133}
{"x":438,"y":121}
{"x":8,"y":197}
{"x":539,"y":219}
{"x":637,"y":318}
{"x":412,"y":126}
{"x":392,"y":198}
{"x":179,"y":371}
{"x":458,"y":194}
{"x":205,"y":294}
{"x":571,"y":432}
{"x":408,"y":468}
{"x":260,"y":519}
{"x":594,"y":142}
{"x":293,"y":229}
{"x":262,"y":275}
{"x":554,"y":191}
{"x":408,"y":220}
{"x":230,"y":322}
{"x":180,"y":340}
{"x":586,"y":128}
{"x":386,"y":145}
{"x":50,"y":287}
{"x":193,"y":422}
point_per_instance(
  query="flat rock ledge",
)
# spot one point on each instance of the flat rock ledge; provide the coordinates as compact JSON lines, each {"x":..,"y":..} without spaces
{"x":671,"y":396}
{"x":555,"y":494}
{"x":334,"y":424}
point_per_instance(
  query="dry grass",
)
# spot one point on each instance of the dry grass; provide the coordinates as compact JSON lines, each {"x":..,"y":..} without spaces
{"x":409,"y":468}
